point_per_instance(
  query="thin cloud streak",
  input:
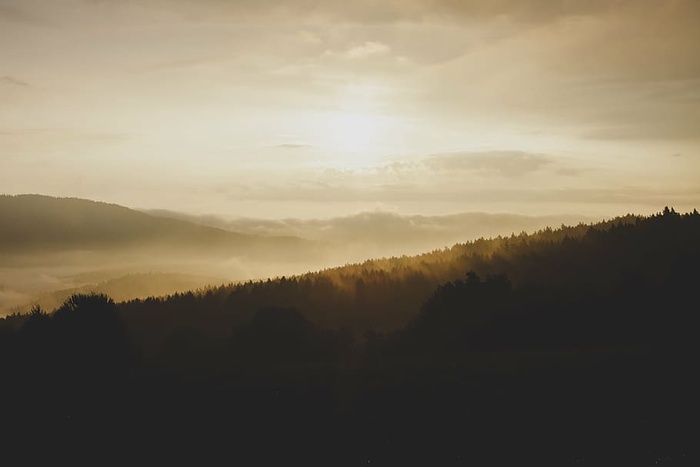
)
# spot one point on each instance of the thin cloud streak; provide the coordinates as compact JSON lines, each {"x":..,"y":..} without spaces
{"x":11,"y":81}
{"x":505,"y":163}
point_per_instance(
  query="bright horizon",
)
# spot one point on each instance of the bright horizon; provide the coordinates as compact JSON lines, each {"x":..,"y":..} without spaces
{"x":323,"y":109}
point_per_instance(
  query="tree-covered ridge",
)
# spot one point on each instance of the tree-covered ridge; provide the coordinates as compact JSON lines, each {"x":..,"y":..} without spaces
{"x":557,"y":348}
{"x":385,"y":294}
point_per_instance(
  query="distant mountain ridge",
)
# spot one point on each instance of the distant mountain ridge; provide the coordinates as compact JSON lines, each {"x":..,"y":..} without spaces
{"x":381,"y":233}
{"x":37,"y":223}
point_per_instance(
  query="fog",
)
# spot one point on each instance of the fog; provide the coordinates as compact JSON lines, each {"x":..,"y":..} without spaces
{"x":52,"y":247}
{"x":383,"y":233}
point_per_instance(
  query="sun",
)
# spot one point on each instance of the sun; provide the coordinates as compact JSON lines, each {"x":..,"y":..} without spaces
{"x":352,"y":136}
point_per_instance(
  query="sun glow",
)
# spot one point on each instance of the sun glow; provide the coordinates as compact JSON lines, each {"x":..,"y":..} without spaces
{"x":352,"y":132}
{"x":351,"y":138}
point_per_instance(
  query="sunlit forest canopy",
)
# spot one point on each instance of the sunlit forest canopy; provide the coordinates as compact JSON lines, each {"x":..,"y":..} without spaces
{"x":385,"y":294}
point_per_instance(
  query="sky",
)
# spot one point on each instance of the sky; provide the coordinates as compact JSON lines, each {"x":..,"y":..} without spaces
{"x":316,"y":109}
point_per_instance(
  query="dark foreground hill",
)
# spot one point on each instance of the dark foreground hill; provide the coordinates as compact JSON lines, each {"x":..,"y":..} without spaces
{"x":383,"y":295}
{"x":568,"y":347}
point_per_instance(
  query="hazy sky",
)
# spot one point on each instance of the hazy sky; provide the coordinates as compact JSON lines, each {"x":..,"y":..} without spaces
{"x":311,"y":108}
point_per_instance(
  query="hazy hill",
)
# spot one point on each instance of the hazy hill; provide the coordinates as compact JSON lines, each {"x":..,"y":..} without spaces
{"x":381,"y":233}
{"x":52,"y":245}
{"x":38,"y":224}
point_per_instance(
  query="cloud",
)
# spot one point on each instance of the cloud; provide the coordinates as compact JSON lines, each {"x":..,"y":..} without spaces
{"x":67,"y":134}
{"x":571,"y":171}
{"x":31,"y":132}
{"x":368,"y":49}
{"x":660,"y":129}
{"x":11,"y":81}
{"x":371,"y":12}
{"x":309,"y":37}
{"x":40,"y":145}
{"x":14,"y":13}
{"x":295,"y":145}
{"x":644,"y":43}
{"x":477,"y":175}
{"x":504,"y":163}
{"x":539,"y":11}
{"x":471,"y":180}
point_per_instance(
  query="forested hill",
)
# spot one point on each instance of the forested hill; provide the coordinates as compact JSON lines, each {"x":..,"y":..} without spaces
{"x":575,"y":346}
{"x":36,"y":224}
{"x":385,"y":294}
